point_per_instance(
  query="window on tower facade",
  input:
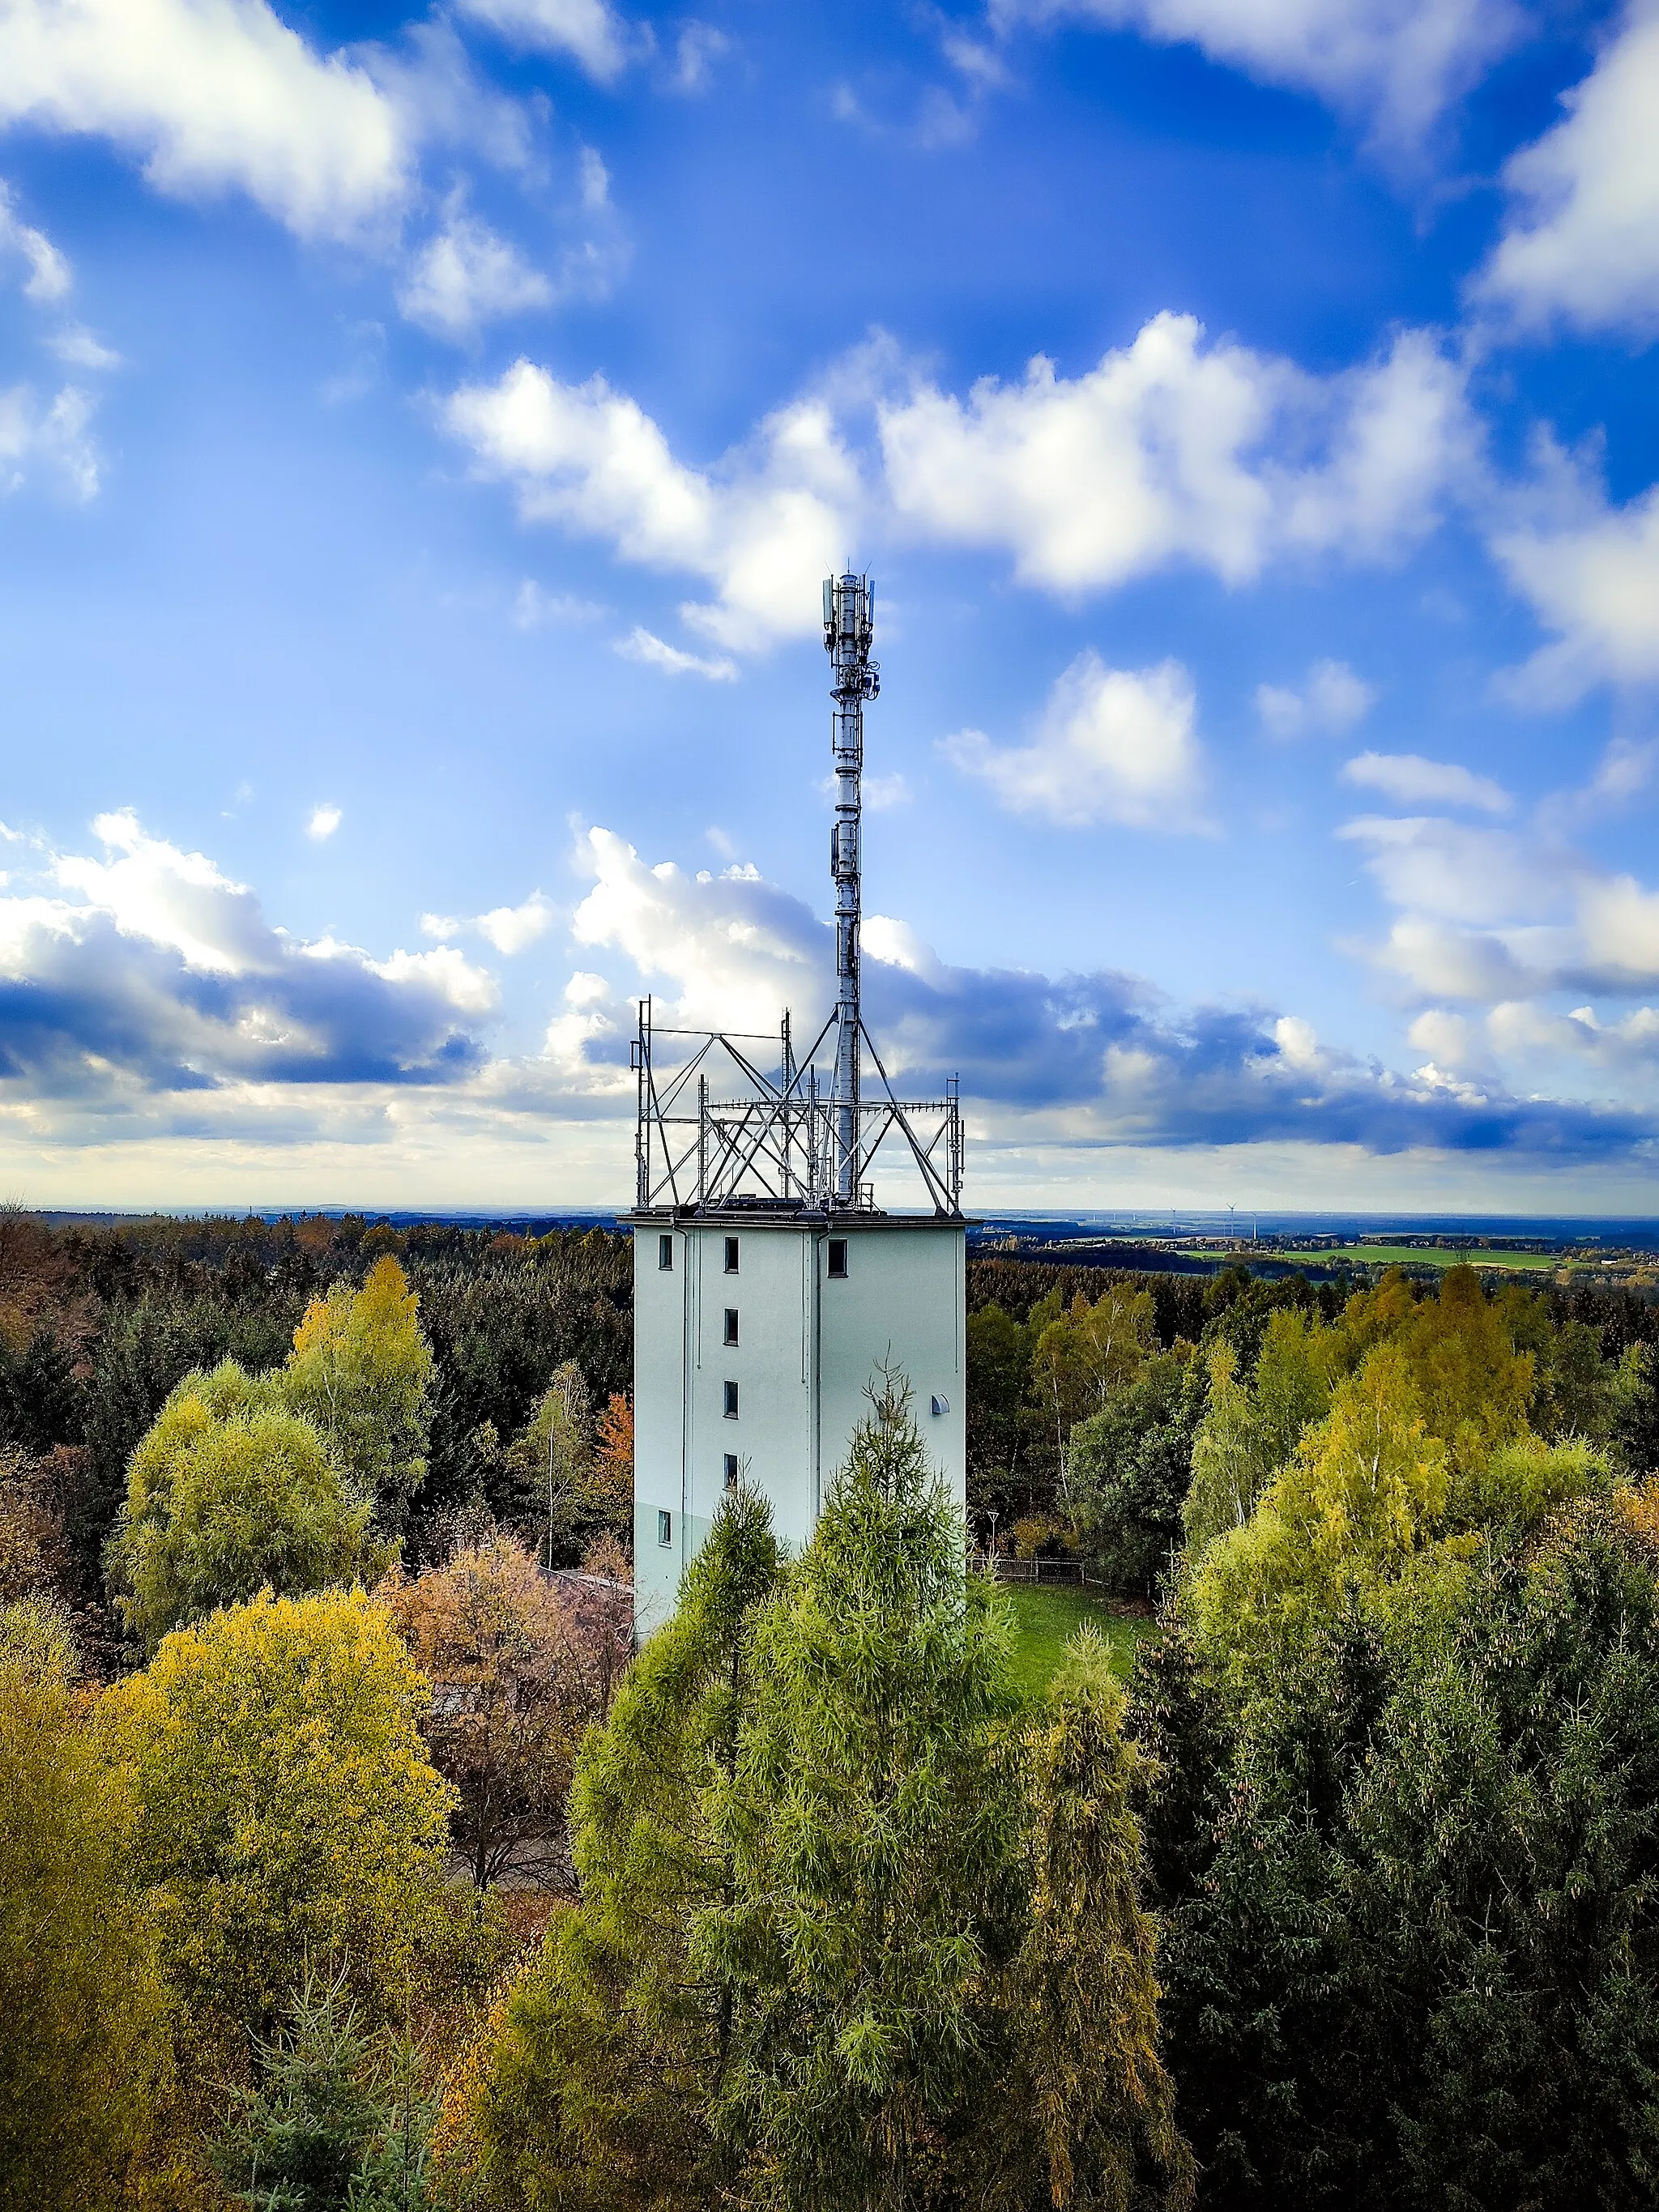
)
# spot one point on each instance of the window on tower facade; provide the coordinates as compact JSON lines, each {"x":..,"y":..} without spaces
{"x":731,"y":1391}
{"x":665,"y":1253}
{"x":838,"y":1255}
{"x":731,"y":1324}
{"x":664,"y":1528}
{"x":730,"y":1255}
{"x":730,"y":1470}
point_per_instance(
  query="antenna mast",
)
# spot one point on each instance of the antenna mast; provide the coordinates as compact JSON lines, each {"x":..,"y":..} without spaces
{"x":848,"y":631}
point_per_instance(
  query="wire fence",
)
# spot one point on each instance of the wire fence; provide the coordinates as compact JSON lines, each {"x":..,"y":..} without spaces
{"x":1002,"y":1568}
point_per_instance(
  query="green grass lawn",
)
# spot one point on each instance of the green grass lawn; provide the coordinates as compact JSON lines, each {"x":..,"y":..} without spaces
{"x":1045,"y":1618}
{"x":1408,"y":1256}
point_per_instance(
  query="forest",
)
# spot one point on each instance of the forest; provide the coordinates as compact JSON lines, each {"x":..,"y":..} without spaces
{"x":350,"y":1857}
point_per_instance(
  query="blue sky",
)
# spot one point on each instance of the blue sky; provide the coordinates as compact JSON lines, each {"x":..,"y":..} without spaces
{"x":421,"y":435}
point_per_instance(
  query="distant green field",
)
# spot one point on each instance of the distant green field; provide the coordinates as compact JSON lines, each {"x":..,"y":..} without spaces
{"x":1412,"y":1255}
{"x":1046,"y":1619}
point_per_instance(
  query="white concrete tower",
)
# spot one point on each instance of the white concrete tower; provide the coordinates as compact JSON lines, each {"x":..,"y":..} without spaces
{"x":770,"y":1288}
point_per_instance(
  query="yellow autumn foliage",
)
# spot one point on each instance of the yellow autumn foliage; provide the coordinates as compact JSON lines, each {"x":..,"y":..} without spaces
{"x":286,"y":1811}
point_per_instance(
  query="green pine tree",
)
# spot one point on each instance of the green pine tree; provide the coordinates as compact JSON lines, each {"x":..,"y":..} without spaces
{"x":336,"y":2122}
{"x":876,"y":1818}
{"x":1087,"y":2109}
{"x":607,"y":2057}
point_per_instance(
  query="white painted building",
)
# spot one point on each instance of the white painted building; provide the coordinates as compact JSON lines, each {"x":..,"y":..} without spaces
{"x":769,"y":1290}
{"x":757,"y":1334}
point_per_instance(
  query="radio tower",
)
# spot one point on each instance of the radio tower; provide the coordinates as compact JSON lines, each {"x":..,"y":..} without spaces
{"x":849,"y":628}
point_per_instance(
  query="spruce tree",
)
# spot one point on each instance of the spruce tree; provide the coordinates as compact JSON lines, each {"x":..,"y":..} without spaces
{"x":608,"y":2056}
{"x":1087,"y":2109}
{"x":876,"y":1817}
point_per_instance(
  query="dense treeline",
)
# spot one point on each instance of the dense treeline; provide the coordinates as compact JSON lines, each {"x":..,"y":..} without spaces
{"x":98,"y":1326}
{"x":1088,"y":1388}
{"x":379,"y":1873}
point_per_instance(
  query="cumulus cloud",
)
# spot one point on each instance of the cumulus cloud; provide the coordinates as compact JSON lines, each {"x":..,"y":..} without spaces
{"x":1168,"y":452}
{"x":1397,"y":62}
{"x":211,"y":94}
{"x":1084,"y":1061}
{"x":465,"y":276}
{"x":1113,"y":745}
{"x":585,"y":29}
{"x":1411,"y":780}
{"x":510,"y":929}
{"x":143,"y":970}
{"x":764,"y":527}
{"x":1582,"y":243}
{"x":1330,"y":702}
{"x":1496,"y":933}
{"x":323,"y":822}
{"x":1590,"y":571}
{"x":1171,"y":451}
{"x":653,"y":651}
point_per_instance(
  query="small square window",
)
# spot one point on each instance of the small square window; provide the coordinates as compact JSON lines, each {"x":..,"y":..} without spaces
{"x":730,"y":1255}
{"x":730,"y":1325}
{"x":665,"y":1253}
{"x":664,"y":1528}
{"x":730,"y":1390}
{"x":730,"y":1470}
{"x":838,"y":1255}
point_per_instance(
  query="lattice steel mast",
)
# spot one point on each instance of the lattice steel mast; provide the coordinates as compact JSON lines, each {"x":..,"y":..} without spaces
{"x":785,"y":1140}
{"x":848,"y":629}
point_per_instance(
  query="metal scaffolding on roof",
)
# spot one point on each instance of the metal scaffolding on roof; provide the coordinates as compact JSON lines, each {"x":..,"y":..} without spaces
{"x":792,"y":1140}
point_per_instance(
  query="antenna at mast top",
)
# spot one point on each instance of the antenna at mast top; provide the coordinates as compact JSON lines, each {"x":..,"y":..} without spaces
{"x":849,"y":604}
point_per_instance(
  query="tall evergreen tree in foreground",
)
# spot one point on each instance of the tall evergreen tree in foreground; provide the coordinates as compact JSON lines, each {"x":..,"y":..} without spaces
{"x":856,"y":1929}
{"x":876,"y":1815}
{"x":595,"y":2085}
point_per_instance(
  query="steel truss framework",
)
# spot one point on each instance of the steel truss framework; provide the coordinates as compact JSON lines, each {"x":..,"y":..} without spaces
{"x":716,"y":1128}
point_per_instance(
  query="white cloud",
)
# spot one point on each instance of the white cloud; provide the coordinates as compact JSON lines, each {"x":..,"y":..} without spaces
{"x":586,"y":30}
{"x":696,"y":50}
{"x":1166,"y":452}
{"x":885,"y":794}
{"x":211,"y":94}
{"x":463,"y":275}
{"x":733,"y":950}
{"x":1171,"y":452}
{"x":53,"y":436}
{"x":1331,"y":701}
{"x":510,"y":929}
{"x":532,"y":607}
{"x":764,"y":529}
{"x":1112,"y":745}
{"x":1397,"y":61}
{"x":653,"y":651}
{"x":1590,"y":572}
{"x":145,"y":970}
{"x":1411,"y":780}
{"x":1077,"y":1060}
{"x":76,"y":345}
{"x":324,"y":820}
{"x":1582,"y":243}
{"x":1455,"y":873}
{"x":49,"y":278}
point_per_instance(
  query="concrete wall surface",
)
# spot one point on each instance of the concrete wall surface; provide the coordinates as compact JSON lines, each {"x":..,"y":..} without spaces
{"x":808,"y":1346}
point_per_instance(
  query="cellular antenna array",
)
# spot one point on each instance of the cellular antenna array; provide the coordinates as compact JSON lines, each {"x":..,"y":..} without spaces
{"x":849,"y":606}
{"x":796,"y":1140}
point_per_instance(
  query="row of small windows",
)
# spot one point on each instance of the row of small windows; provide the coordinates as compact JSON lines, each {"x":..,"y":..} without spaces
{"x":837,"y":1260}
